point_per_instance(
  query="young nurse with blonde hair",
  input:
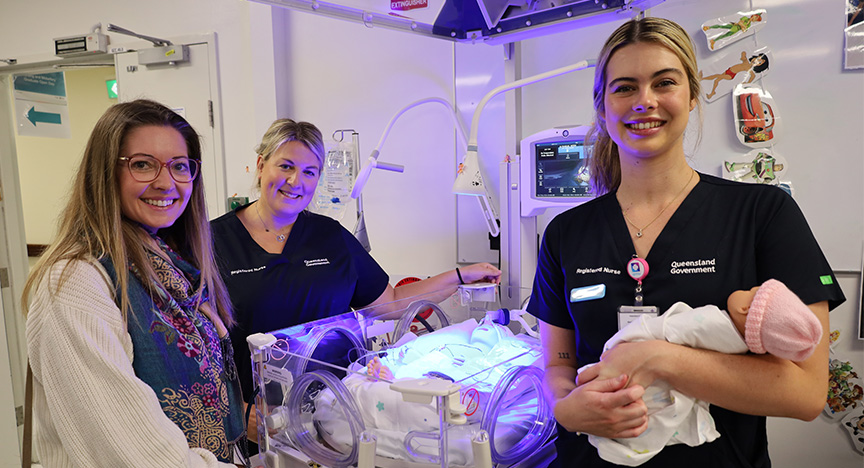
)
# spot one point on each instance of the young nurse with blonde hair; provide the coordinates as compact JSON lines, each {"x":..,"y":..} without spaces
{"x":662,"y":233}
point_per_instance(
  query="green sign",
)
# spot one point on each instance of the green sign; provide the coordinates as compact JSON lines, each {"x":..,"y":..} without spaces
{"x":112,"y":88}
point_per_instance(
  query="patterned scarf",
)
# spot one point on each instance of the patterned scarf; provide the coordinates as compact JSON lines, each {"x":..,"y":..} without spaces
{"x":180,"y":355}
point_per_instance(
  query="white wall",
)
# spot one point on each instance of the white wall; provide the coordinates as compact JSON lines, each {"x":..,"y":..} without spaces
{"x":344,"y":75}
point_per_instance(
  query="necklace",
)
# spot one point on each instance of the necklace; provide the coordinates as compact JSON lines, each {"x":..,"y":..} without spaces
{"x":638,"y":229}
{"x":279,"y":237}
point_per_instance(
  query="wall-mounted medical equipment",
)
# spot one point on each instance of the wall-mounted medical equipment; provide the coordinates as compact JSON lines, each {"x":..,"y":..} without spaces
{"x":351,"y":390}
{"x":553,"y":170}
{"x":469,"y":177}
{"x":549,"y":176}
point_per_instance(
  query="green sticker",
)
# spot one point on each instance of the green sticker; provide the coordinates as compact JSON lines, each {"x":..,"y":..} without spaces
{"x":826,"y":279}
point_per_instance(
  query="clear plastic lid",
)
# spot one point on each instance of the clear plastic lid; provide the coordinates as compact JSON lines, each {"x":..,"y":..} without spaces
{"x":323,"y":383}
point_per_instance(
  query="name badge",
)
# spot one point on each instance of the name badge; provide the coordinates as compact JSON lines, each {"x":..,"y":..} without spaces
{"x":587,"y":293}
{"x":627,"y":314}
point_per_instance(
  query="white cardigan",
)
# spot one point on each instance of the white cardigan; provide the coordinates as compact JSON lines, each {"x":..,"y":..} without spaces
{"x":90,"y":410}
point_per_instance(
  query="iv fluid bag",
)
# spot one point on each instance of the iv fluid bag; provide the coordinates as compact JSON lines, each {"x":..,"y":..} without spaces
{"x":333,"y":195}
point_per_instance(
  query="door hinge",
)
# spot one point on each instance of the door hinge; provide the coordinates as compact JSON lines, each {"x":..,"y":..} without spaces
{"x":4,"y":277}
{"x":19,"y":415}
{"x":210,"y":111}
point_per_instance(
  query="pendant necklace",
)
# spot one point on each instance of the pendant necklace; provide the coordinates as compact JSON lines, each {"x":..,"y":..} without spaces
{"x":638,"y":229}
{"x":279,"y":237}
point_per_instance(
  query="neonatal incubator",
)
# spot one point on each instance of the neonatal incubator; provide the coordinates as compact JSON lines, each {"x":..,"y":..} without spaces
{"x":452,"y":383}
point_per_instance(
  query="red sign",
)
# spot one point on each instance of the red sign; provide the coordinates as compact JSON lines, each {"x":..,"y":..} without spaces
{"x":405,"y":5}
{"x":472,"y":396}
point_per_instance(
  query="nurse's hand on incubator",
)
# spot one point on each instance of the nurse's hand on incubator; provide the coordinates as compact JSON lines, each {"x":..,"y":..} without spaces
{"x":435,"y":289}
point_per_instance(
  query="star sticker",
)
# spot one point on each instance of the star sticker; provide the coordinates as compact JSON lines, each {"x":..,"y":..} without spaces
{"x":380,"y":406}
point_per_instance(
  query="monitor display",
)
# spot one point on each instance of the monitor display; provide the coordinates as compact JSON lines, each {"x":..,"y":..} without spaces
{"x":561,"y":170}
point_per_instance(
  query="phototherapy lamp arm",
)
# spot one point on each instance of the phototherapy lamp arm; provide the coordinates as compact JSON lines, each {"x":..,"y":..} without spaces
{"x":373,"y":162}
{"x":469,"y":179}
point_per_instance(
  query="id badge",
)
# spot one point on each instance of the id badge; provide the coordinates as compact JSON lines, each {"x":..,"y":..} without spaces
{"x":627,"y":314}
{"x":588,"y":293}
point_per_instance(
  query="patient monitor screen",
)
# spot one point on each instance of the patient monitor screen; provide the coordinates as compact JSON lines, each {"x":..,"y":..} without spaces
{"x":562,"y":170}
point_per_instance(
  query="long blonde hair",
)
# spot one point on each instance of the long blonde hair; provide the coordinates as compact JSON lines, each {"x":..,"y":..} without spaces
{"x":603,"y":164}
{"x":92,"y":223}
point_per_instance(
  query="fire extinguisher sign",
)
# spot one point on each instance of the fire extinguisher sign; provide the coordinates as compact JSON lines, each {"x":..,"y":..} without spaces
{"x":405,"y":5}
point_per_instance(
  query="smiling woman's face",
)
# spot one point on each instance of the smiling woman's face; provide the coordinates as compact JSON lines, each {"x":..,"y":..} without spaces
{"x":157,"y":204}
{"x":647,"y":100}
{"x":288,"y":180}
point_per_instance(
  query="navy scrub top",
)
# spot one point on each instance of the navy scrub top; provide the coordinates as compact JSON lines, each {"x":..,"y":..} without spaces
{"x":322,"y":271}
{"x":725,"y":236}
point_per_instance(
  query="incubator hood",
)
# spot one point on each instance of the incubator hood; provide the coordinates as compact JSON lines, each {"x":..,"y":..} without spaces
{"x":455,"y":369}
{"x":488,"y":21}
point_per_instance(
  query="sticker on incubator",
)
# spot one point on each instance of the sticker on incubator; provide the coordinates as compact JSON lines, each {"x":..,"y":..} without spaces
{"x":755,"y":116}
{"x":725,"y":30}
{"x":760,"y":166}
{"x":587,"y":293}
{"x":277,"y":374}
{"x":471,"y":400}
{"x":743,"y":65}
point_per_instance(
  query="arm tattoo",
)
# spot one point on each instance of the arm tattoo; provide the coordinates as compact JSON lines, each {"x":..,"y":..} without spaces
{"x":564,"y":355}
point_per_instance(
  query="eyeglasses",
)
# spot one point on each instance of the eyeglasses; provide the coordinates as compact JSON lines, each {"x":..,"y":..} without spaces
{"x":145,"y":168}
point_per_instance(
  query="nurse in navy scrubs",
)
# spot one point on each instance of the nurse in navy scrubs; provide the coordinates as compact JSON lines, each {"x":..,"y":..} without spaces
{"x":284,"y":266}
{"x":700,"y":238}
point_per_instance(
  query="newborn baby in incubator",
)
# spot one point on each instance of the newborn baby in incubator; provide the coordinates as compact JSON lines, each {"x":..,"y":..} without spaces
{"x":473,"y":356}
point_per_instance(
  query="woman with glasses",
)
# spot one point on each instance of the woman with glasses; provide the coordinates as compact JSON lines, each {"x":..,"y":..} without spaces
{"x":127,"y":315}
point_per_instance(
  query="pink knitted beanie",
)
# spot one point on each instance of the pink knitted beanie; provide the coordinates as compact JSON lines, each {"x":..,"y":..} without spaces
{"x":780,"y":324}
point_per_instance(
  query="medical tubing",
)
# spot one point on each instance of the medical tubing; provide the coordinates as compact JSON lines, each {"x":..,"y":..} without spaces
{"x":300,"y":435}
{"x":540,"y":431}
{"x":475,"y":120}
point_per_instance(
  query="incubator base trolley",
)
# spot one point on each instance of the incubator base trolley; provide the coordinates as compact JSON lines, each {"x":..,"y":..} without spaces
{"x":436,"y":384}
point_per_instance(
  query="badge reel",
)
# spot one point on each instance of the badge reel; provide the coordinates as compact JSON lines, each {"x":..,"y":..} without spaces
{"x":637,"y":268}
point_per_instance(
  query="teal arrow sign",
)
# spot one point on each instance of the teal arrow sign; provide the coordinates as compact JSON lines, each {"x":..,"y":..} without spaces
{"x":46,"y":117}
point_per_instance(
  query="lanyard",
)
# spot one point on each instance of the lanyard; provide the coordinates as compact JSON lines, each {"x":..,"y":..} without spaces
{"x":637,"y":268}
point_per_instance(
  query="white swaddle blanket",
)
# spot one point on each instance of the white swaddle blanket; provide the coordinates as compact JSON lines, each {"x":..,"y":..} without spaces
{"x":673,"y":418}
